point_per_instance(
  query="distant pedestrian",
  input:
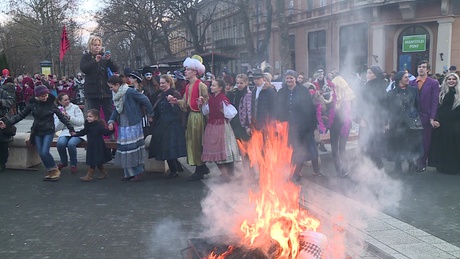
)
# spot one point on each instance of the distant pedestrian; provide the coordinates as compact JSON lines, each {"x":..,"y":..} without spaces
{"x":6,"y":101}
{"x":97,"y":153}
{"x":42,"y":108}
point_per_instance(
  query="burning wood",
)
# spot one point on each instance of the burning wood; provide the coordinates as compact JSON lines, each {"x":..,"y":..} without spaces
{"x":282,"y":229}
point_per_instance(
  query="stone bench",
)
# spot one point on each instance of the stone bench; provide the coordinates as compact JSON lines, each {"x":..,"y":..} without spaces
{"x":22,"y":156}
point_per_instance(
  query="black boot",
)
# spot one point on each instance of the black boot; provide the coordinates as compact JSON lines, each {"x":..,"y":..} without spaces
{"x":321,"y":147}
{"x":204,"y":168}
{"x":180,"y":169}
{"x":198,"y":175}
{"x":172,"y":169}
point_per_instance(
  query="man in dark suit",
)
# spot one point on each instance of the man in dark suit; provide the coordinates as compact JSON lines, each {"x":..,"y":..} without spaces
{"x":428,"y":95}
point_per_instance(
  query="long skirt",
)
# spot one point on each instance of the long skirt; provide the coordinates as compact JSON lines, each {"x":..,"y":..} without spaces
{"x":130,"y":153}
{"x":194,"y":138}
{"x":168,"y":141}
{"x":219,"y":144}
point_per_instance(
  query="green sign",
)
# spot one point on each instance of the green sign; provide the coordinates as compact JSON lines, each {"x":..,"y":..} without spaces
{"x":414,"y":43}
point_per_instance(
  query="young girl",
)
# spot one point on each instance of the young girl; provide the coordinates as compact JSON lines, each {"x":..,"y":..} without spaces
{"x":97,"y":153}
{"x":219,"y":145}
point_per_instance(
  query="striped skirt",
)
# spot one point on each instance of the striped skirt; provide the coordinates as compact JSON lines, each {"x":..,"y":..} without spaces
{"x":130,"y":144}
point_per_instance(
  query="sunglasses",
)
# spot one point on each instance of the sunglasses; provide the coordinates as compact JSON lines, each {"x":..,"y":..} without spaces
{"x":148,"y":74}
{"x":320,"y":71}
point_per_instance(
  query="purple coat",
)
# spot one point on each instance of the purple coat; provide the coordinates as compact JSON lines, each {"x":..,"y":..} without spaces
{"x":428,"y":100}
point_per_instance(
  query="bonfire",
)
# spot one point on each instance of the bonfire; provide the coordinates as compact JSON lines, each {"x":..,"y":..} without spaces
{"x":282,"y":229}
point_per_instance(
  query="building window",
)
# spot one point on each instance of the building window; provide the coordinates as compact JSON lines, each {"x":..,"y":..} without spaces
{"x":353,"y":48}
{"x":322,"y":3}
{"x":316,"y":51}
{"x":309,"y":4}
{"x":410,"y":54}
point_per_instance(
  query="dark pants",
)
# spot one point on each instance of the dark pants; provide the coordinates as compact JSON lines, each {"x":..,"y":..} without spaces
{"x":3,"y":153}
{"x":426,"y":141}
{"x":338,"y":143}
{"x":105,"y":103}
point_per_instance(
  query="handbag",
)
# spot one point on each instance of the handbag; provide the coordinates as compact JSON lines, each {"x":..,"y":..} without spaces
{"x":414,"y":123}
{"x":229,"y":111}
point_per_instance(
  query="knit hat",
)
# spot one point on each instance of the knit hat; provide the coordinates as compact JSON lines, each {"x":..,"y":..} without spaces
{"x":399,"y":76}
{"x":41,"y":90}
{"x":27,"y":80}
{"x":136,"y":75}
{"x":377,"y":72}
{"x":291,"y":73}
{"x":5,"y":72}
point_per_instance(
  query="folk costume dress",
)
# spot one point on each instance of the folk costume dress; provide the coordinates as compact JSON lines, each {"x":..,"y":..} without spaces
{"x":195,"y":121}
{"x":219,"y":143}
{"x":130,"y":153}
{"x":168,"y":138}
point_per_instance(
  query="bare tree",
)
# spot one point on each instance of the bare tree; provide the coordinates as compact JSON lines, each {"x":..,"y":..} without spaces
{"x":146,"y":20}
{"x":196,"y":22}
{"x":283,"y":26}
{"x":33,"y":33}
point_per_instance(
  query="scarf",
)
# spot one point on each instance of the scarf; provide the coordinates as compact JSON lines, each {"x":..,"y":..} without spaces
{"x":118,"y":97}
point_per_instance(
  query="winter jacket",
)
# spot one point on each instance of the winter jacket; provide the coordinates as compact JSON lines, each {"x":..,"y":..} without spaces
{"x":96,"y":75}
{"x":131,"y":106}
{"x":11,"y":89}
{"x":43,"y":113}
{"x":6,"y":102}
{"x":76,"y":119}
{"x":262,"y":109}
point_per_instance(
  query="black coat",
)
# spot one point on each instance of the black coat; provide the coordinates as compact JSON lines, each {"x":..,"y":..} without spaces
{"x":372,"y":107}
{"x":403,"y":143}
{"x":168,"y":138}
{"x":296,"y":107}
{"x":97,"y":152}
{"x":43,"y":113}
{"x":96,"y":75}
{"x":263,"y":112}
{"x":444,"y":151}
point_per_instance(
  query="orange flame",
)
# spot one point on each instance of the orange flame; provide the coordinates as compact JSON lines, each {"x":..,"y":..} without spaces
{"x":279,"y":216}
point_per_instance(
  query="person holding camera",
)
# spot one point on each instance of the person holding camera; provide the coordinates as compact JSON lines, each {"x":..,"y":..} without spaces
{"x":95,"y":64}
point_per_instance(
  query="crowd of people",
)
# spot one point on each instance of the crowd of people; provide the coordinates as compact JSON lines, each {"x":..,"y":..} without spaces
{"x":200,"y":116}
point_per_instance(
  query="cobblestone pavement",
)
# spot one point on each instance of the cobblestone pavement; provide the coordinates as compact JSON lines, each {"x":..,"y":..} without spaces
{"x":385,"y":214}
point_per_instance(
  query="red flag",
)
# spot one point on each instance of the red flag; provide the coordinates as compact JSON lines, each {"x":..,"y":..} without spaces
{"x":65,"y":44}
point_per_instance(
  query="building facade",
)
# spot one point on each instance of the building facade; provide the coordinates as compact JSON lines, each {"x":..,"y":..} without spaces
{"x":351,"y":35}
{"x":343,"y":35}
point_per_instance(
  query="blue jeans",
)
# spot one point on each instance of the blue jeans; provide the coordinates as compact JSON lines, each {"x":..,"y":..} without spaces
{"x":43,"y":144}
{"x":71,"y":144}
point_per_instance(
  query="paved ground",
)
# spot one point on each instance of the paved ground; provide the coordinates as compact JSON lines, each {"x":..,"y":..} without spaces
{"x":384,"y":214}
